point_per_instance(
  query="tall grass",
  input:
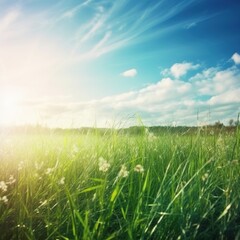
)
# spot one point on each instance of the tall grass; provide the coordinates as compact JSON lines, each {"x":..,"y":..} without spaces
{"x":57,"y":188}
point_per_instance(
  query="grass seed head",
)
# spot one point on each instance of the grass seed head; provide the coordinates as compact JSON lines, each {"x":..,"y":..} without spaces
{"x":4,"y":199}
{"x":123,"y":172}
{"x":139,"y":168}
{"x":49,"y":171}
{"x":3,"y":186}
{"x":103,"y":165}
{"x":62,"y":181}
{"x":11,"y":180}
{"x":205,"y":177}
{"x":20,"y":166}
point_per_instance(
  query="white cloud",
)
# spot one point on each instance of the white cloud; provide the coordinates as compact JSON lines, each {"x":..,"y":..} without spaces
{"x":34,"y":58}
{"x":71,"y":12}
{"x":130,"y":73}
{"x":213,"y":81}
{"x":190,"y":25}
{"x":236,"y":58}
{"x":161,"y":103}
{"x":229,"y":97}
{"x":115,"y":16}
{"x":99,"y":32}
{"x":179,"y":69}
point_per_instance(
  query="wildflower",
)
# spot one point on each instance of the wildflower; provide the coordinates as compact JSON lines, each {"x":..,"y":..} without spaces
{"x":20,"y":165}
{"x":48,"y":225}
{"x":37,"y":210}
{"x":103,"y":165}
{"x":11,"y":180}
{"x":3,"y":186}
{"x":21,"y":225}
{"x":62,"y":181}
{"x":139,"y":168}
{"x":123,"y":172}
{"x":205,"y":176}
{"x":4,"y":199}
{"x":49,"y":171}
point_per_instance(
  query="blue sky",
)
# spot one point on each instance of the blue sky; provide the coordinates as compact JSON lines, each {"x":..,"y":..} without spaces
{"x":84,"y":63}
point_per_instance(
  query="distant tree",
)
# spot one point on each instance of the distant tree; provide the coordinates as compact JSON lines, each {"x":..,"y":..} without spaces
{"x":236,"y":123}
{"x":231,"y":122}
{"x":218,"y":124}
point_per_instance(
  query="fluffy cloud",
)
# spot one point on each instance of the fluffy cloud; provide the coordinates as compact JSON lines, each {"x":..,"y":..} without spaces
{"x":130,"y":73}
{"x":180,"y":69}
{"x":236,"y":58}
{"x":213,"y":81}
{"x":169,"y":100}
{"x":229,"y":97}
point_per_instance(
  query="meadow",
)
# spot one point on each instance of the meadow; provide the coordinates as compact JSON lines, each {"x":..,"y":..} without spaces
{"x":120,"y":186}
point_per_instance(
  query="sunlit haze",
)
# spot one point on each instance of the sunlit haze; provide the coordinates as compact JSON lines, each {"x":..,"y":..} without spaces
{"x":103,"y":63}
{"x":9,"y":106}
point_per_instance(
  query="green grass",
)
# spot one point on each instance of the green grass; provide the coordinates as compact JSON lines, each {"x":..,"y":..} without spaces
{"x":189,"y":188}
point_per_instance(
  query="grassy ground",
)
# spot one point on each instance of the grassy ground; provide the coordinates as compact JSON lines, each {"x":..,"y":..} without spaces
{"x":71,"y":186}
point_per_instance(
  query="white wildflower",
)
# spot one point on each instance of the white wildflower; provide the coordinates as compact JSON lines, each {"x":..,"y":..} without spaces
{"x":21,"y":226}
{"x":4,"y":199}
{"x":37,"y":211}
{"x":205,"y":176}
{"x":48,"y":225}
{"x":20,"y":165}
{"x":3,"y":186}
{"x":49,"y":171}
{"x":11,"y":180}
{"x":139,"y":168}
{"x":123,"y":172}
{"x":103,"y":165}
{"x":62,"y":181}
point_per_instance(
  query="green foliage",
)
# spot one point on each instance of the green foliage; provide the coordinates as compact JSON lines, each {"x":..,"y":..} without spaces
{"x":145,"y":185}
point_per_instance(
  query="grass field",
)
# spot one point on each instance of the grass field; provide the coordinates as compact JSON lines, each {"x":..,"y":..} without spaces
{"x":119,"y":186}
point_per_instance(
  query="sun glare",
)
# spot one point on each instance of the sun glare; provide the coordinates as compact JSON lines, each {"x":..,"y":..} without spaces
{"x":9,"y":107}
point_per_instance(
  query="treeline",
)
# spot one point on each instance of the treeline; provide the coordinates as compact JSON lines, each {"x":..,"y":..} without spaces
{"x":133,"y":130}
